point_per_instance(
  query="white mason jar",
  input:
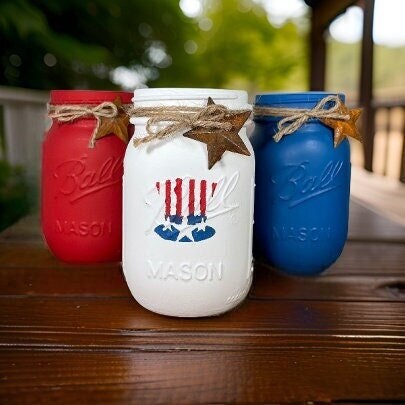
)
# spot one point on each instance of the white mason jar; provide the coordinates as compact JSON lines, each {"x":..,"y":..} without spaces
{"x":187,"y":242}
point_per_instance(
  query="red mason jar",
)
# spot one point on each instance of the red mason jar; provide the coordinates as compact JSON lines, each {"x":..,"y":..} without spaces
{"x":82,"y":186}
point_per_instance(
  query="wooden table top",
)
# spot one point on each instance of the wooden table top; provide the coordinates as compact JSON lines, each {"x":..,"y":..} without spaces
{"x":74,"y":334}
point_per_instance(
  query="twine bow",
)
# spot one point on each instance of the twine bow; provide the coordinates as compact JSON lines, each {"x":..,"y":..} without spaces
{"x":294,"y":118}
{"x":181,"y":118}
{"x":68,"y":113}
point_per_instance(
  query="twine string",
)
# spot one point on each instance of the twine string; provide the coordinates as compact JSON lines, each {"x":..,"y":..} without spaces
{"x":69,"y":113}
{"x":181,"y":118}
{"x":295,"y":118}
{"x":178,"y":118}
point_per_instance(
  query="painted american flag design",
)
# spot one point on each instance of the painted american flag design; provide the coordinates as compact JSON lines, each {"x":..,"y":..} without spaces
{"x":185,"y":209}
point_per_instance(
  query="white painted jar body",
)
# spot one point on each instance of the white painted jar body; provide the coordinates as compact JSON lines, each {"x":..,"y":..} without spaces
{"x":187,"y":241}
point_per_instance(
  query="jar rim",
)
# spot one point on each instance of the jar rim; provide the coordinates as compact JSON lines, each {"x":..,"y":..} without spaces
{"x":88,"y":96}
{"x":307,"y":99}
{"x":189,"y":96}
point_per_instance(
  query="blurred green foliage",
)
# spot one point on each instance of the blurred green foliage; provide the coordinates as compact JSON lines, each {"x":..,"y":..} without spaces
{"x":242,"y":49}
{"x":75,"y":43}
{"x":78,"y":44}
{"x":14,"y":194}
{"x":343,"y":70}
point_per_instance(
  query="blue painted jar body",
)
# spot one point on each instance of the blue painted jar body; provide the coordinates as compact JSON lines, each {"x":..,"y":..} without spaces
{"x":302,"y":190}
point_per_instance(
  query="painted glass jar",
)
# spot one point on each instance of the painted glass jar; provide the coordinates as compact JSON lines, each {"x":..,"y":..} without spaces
{"x":187,"y":247}
{"x":82,"y":186}
{"x":302,"y":189}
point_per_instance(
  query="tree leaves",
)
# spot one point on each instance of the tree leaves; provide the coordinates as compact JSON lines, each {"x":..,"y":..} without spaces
{"x":236,"y":46}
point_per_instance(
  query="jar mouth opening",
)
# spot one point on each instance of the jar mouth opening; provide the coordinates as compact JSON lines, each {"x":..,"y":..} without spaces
{"x":189,"y":96}
{"x":88,"y":96}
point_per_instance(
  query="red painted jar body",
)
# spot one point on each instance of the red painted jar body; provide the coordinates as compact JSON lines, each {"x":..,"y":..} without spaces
{"x":82,"y":187}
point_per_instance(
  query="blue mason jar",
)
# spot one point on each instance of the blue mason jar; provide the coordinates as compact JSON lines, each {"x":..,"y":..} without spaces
{"x":302,"y":189}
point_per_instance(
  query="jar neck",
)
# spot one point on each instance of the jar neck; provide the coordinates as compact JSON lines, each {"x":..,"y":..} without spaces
{"x":295,"y":109}
{"x":304,"y":100}
{"x":183,"y":97}
{"x":234,"y":99}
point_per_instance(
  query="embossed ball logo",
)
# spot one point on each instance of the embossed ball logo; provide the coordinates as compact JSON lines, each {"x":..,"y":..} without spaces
{"x":296,"y":184}
{"x":76,"y":180}
{"x":185,"y":207}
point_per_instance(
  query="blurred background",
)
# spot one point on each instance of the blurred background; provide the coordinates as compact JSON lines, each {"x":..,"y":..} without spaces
{"x":354,"y":47}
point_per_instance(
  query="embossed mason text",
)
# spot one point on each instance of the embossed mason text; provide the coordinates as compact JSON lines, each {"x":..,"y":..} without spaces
{"x":301,"y":234}
{"x":83,"y":228}
{"x":185,"y":271}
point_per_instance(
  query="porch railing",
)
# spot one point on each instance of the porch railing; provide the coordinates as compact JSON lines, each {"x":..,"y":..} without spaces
{"x":389,"y":138}
{"x":23,"y":123}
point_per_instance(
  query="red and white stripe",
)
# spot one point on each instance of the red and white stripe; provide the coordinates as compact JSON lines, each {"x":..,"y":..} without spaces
{"x":186,"y":197}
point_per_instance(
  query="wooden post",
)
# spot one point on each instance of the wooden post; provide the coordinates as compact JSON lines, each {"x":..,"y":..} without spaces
{"x":323,"y":13}
{"x":366,"y":84}
{"x":402,"y":172}
{"x":317,"y":53}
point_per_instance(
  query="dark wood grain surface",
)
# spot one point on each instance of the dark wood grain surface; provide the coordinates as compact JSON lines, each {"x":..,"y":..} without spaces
{"x":74,"y":334}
